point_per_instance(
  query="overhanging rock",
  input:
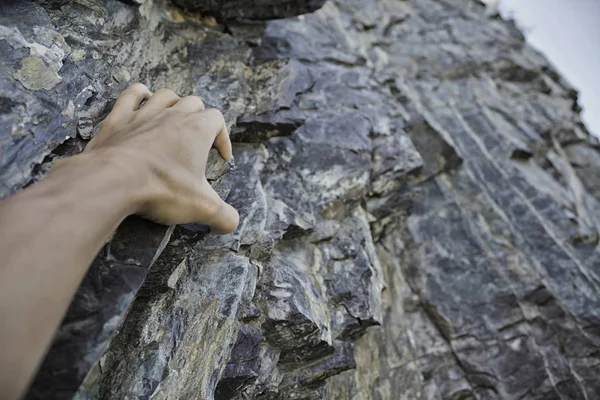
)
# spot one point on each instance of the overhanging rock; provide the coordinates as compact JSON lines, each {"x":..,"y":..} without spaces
{"x":252,"y":9}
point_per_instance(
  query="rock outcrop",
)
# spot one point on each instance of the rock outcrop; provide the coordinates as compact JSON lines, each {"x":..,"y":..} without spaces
{"x":252,"y":9}
{"x":419,"y":203}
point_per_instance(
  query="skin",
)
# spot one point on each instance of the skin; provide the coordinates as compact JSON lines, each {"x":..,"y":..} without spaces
{"x":149,"y":161}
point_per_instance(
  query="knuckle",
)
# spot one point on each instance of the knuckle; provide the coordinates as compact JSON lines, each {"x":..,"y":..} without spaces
{"x":194,"y":119}
{"x":166,"y":92}
{"x":191,"y":123}
{"x":206,"y":121}
{"x":137,"y":88}
{"x":214,"y":114}
{"x":194,"y":99}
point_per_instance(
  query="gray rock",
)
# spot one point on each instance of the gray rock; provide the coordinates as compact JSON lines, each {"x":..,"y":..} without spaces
{"x":413,"y":165}
{"x":247,"y":9}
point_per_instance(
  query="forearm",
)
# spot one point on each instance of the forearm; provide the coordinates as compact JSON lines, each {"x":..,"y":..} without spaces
{"x":151,"y":161}
{"x":49,"y":234}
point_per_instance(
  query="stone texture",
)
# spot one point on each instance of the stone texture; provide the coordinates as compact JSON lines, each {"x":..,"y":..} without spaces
{"x":252,"y":9}
{"x":409,"y":164}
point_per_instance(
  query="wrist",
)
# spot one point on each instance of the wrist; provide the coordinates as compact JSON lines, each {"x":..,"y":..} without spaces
{"x":108,"y":174}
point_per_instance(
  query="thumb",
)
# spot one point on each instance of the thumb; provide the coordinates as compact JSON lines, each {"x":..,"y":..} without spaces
{"x":220,"y":216}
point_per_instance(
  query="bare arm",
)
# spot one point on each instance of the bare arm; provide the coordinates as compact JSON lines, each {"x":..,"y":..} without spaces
{"x":149,"y":161}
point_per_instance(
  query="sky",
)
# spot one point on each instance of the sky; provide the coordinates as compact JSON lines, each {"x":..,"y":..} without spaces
{"x":568,"y":33}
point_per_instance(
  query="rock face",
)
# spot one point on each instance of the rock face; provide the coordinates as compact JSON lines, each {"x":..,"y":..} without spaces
{"x":252,"y":9}
{"x":408,"y":164}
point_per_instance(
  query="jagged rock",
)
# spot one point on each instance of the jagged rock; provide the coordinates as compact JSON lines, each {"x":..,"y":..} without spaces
{"x":409,"y":164}
{"x":252,"y":9}
{"x":107,"y":291}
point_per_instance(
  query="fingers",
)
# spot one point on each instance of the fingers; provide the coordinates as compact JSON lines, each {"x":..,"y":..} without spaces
{"x":129,"y":100}
{"x":189,"y":104}
{"x":162,"y":98}
{"x":213,"y":121}
{"x":220,"y":216}
{"x":223,"y":144}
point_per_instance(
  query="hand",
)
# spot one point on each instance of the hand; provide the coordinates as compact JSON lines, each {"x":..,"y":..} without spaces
{"x":164,"y":147}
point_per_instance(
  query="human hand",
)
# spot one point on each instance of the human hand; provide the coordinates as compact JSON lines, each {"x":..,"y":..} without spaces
{"x":163,"y":147}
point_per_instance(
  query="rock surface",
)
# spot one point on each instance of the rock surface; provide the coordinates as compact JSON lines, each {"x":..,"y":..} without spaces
{"x":252,"y":9}
{"x":409,"y":164}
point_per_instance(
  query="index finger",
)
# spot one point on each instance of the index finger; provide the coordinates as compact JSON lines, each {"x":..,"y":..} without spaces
{"x":129,"y":100}
{"x":215,"y":122}
{"x":223,"y":144}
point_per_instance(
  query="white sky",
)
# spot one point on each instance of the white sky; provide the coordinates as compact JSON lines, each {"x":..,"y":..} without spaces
{"x":568,"y":33}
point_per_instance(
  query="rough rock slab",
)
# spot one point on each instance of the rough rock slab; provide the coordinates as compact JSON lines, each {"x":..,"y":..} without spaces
{"x":412,"y":164}
{"x":252,"y":9}
{"x":107,"y":292}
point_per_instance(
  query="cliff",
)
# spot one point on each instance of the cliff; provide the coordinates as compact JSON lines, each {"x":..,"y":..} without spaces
{"x":419,"y":203}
